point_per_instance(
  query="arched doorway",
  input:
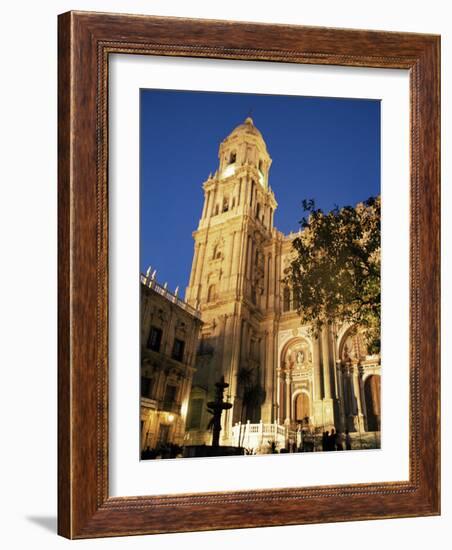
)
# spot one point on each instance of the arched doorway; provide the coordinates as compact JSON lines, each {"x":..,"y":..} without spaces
{"x":295,"y":375}
{"x":373,"y":400}
{"x":302,"y":407}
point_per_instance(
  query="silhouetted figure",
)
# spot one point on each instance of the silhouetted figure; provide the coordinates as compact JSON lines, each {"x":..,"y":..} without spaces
{"x":348,"y":441}
{"x":339,"y":441}
{"x":331,"y":446}
{"x":325,"y":437}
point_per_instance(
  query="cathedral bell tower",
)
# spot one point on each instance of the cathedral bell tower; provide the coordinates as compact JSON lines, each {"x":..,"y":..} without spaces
{"x":227,"y":280}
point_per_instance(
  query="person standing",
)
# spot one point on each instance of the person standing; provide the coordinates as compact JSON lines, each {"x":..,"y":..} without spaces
{"x":339,"y":441}
{"x":332,"y":441}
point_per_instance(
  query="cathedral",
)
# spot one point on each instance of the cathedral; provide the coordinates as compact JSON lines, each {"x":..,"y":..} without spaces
{"x":280,"y":377}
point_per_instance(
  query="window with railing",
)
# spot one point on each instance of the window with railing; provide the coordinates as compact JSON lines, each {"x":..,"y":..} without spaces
{"x":169,"y":400}
{"x":178,"y":349}
{"x":155,"y":339}
{"x":146,"y":387}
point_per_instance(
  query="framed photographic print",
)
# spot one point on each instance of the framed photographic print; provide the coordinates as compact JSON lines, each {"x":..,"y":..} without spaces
{"x":248,"y":275}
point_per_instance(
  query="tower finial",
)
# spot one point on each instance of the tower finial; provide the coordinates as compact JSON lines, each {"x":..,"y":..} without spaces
{"x":248,"y":119}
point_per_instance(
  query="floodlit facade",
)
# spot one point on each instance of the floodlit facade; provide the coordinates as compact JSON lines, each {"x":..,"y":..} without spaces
{"x":279,"y":376}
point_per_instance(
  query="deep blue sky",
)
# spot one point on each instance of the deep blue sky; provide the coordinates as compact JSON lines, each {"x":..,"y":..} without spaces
{"x":322,"y":148}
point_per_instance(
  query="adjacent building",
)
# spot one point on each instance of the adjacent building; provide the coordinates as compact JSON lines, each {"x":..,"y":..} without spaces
{"x":169,"y":339}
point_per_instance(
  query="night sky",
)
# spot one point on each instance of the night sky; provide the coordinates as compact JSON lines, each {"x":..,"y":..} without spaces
{"x":322,"y":148}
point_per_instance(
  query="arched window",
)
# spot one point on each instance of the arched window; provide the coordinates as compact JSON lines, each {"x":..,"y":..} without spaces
{"x":211,"y":294}
{"x":225,"y":204}
{"x":258,"y":210}
{"x":261,"y":166}
{"x":286,"y":299}
{"x":232,"y":157}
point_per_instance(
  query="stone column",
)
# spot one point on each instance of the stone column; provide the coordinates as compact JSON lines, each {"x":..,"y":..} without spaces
{"x":194,"y":265}
{"x":317,"y":373}
{"x":227,"y":371}
{"x":230,"y":256}
{"x":214,"y":192}
{"x":250,"y":258}
{"x":348,"y":401}
{"x":249,"y":200}
{"x":209,"y":204}
{"x":268,"y":378}
{"x":288,"y":397}
{"x":199,"y":265}
{"x":206,"y":204}
{"x":328,"y":409}
{"x":160,"y":386}
{"x":326,"y":364}
{"x":362,"y":397}
{"x":277,"y":267}
{"x":236,"y":337}
{"x":199,"y":254}
{"x":167,"y":347}
{"x":271,"y":280}
{"x":317,"y":408}
{"x":278,"y":415}
{"x":243,"y":193}
{"x":363,"y":403}
{"x":356,"y":390}
{"x":340,"y":389}
{"x":358,"y":420}
{"x":246,"y":256}
{"x":332,"y":361}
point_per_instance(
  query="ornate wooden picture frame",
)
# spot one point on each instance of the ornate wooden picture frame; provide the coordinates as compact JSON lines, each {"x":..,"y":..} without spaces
{"x":86,"y":40}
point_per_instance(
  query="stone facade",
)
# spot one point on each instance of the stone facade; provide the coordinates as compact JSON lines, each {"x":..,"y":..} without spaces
{"x":251,"y":334}
{"x":169,"y":336}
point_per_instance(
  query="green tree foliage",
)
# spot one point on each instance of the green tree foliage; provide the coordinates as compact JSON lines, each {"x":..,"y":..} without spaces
{"x":335,"y":270}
